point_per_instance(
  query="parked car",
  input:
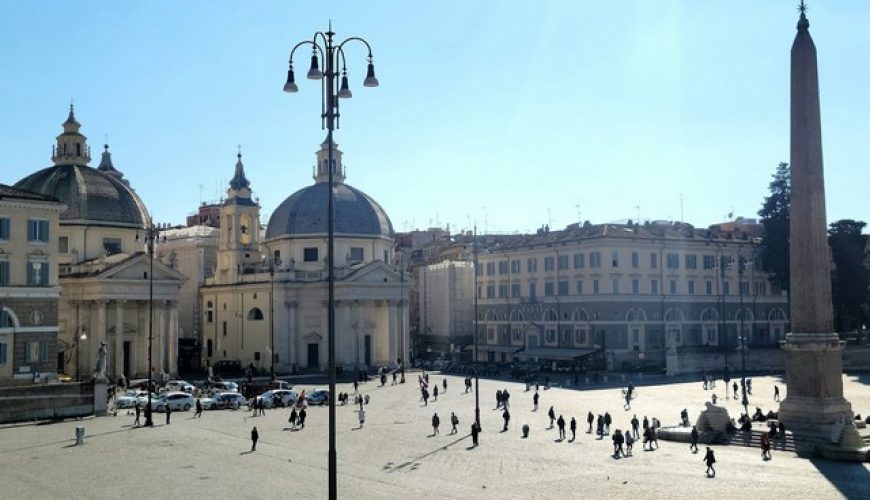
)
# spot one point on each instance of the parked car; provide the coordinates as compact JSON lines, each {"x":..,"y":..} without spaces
{"x":224,"y":386}
{"x":317,"y":397}
{"x":177,"y":401}
{"x":130,"y":399}
{"x":224,"y":400}
{"x":279,"y":397}
{"x":179,"y":386}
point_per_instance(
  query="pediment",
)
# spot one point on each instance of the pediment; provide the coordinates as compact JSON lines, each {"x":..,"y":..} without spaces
{"x":139,"y":267}
{"x":375,"y":272}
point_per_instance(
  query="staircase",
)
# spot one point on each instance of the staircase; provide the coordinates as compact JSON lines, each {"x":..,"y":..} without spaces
{"x":753,"y":439}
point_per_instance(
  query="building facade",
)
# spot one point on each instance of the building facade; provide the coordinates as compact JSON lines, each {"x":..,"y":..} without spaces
{"x":29,"y":288}
{"x":628,"y":292}
{"x":446,"y":298}
{"x":267,"y":300}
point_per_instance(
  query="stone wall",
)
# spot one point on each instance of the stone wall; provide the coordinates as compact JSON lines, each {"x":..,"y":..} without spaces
{"x":45,"y":402}
{"x":855,"y":358}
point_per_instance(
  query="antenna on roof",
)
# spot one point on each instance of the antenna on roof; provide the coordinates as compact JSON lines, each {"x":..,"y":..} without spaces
{"x":681,"y":208}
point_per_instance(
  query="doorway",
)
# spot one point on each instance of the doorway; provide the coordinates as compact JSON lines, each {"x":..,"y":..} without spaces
{"x":127,"y":359}
{"x":313,"y":355}
{"x":367,"y":353}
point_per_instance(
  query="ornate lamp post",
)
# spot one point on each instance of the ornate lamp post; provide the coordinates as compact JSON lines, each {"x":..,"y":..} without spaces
{"x":476,"y":334}
{"x":324,"y":47}
{"x":152,"y":235}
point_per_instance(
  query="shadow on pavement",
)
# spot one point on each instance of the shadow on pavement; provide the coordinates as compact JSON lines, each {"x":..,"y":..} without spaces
{"x":850,"y":479}
{"x":415,"y":461}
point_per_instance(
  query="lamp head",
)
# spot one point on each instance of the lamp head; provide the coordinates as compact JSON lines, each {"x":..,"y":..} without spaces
{"x":344,"y":91}
{"x":290,"y":86}
{"x":371,"y":80}
{"x":314,"y":72}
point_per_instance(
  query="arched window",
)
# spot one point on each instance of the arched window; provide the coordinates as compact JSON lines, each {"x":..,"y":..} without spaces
{"x":255,"y":314}
{"x":674,"y":316}
{"x":581,"y":315}
{"x":516,"y":316}
{"x":550,"y":315}
{"x":708,"y":315}
{"x":776,"y":315}
{"x":491,"y":316}
{"x":634,"y":316}
{"x":744,"y":315}
{"x":7,"y":318}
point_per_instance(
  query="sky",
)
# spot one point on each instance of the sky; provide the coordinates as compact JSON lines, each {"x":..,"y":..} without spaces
{"x":505,"y":114}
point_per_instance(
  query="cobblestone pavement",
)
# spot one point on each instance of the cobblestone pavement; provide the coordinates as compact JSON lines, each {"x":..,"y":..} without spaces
{"x":395,"y":456}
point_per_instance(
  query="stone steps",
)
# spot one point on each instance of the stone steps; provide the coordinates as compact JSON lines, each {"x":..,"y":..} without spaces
{"x":753,"y":439}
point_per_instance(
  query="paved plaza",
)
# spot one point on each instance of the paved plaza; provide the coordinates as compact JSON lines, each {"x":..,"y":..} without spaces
{"x":395,"y":456}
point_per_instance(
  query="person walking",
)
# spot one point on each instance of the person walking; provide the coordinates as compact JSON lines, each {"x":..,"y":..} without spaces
{"x":292,"y":419}
{"x":765,"y":447}
{"x":435,"y":423}
{"x":498,"y":399}
{"x":506,"y":399}
{"x":362,"y":416}
{"x":629,"y":443}
{"x":654,"y":437}
{"x":734,"y":389}
{"x":454,"y":421}
{"x":627,"y":405}
{"x":694,"y":445}
{"x":435,"y":393}
{"x":302,"y":415}
{"x":714,"y":398}
{"x":573,"y":429}
{"x":635,"y":423}
{"x":168,"y":413}
{"x":561,"y":424}
{"x":425,"y":394}
{"x":475,"y":431}
{"x":607,"y":422}
{"x":444,"y":384}
{"x":552,"y":414}
{"x":506,"y":415}
{"x":355,"y":386}
{"x":618,"y":440}
{"x":254,"y":437}
{"x":198,"y":409}
{"x":535,"y":401}
{"x":776,"y":393}
{"x":590,"y":418}
{"x":136,"y":422}
{"x":645,"y":423}
{"x":710,"y":459}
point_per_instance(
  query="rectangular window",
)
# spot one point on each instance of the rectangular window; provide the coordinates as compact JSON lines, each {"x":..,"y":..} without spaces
{"x":111,"y":246}
{"x":3,"y":353}
{"x":479,"y":292}
{"x":614,"y":259}
{"x":673,"y":261}
{"x":502,"y":267}
{"x":673,"y":287}
{"x":654,"y":260}
{"x":635,"y":286}
{"x":595,"y":286}
{"x":502,"y":291}
{"x":477,"y":268}
{"x":32,"y":352}
{"x":309,"y":254}
{"x":761,"y":288}
{"x":691,"y":261}
{"x":515,"y":289}
{"x":490,"y":268}
{"x":709,"y":261}
{"x":563,"y":262}
{"x":595,"y":259}
{"x":744,"y":287}
{"x":654,"y":286}
{"x":224,"y":328}
{"x":635,"y":260}
{"x":209,"y":316}
{"x":4,"y":228}
{"x":709,"y":287}
{"x":549,"y":289}
{"x":490,"y":291}
{"x":726,"y":288}
{"x":515,"y":267}
{"x":37,"y":230}
{"x":563,"y":288}
{"x":531,"y":265}
{"x":357,"y":254}
{"x":579,"y":287}
{"x":548,"y":264}
{"x":532,"y":291}
{"x":578,"y":261}
{"x":691,"y":287}
{"x":37,"y":273}
{"x":4,"y":273}
{"x":63,"y":244}
{"x":615,"y":285}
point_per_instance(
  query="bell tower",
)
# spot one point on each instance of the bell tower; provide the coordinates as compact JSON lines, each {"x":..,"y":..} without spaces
{"x":322,"y":174}
{"x":72,"y":146}
{"x":238,"y":249}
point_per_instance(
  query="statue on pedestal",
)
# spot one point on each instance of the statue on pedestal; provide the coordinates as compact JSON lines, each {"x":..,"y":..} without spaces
{"x":100,"y":370}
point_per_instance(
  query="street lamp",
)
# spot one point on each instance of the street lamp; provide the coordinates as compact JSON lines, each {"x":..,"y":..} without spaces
{"x":79,"y":338}
{"x":322,"y":45}
{"x":152,"y":234}
{"x":476,"y":333}
{"x":741,"y":265}
{"x":273,"y":262}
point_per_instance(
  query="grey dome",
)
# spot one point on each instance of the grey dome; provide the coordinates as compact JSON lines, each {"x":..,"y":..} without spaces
{"x":304,"y":213}
{"x":90,"y":195}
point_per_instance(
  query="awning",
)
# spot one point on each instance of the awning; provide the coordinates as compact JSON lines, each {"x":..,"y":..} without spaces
{"x":494,"y":348}
{"x":555,"y":353}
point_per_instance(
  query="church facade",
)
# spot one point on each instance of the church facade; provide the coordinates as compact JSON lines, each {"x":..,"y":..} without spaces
{"x":267,"y":301}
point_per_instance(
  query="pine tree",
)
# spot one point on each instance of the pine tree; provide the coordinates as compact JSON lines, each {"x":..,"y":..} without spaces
{"x":849,"y":276}
{"x":775,"y":218}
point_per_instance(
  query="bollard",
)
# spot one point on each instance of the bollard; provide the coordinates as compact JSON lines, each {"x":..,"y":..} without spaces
{"x":80,"y":435}
{"x":525,"y":430}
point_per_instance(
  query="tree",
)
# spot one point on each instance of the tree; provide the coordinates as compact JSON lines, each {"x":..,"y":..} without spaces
{"x":775,"y":218}
{"x":849,"y":274}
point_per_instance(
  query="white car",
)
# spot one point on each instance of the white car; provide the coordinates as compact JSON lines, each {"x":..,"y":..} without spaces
{"x":224,"y":400}
{"x":225,"y":386}
{"x":130,"y":399}
{"x":177,"y":401}
{"x":179,"y":386}
{"x":279,"y":397}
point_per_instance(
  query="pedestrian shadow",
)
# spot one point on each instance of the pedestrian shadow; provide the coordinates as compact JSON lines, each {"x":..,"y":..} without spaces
{"x":246,"y":452}
{"x":415,"y":461}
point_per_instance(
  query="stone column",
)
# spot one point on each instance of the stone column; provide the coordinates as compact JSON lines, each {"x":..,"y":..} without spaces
{"x":172,"y":351}
{"x":357,"y":328}
{"x":406,"y":332}
{"x":118,"y":369}
{"x":293,"y":348}
{"x":392,"y":325}
{"x":159,"y":337}
{"x":102,"y":333}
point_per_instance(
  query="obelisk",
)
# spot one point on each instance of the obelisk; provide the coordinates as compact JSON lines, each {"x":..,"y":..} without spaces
{"x":813,"y":351}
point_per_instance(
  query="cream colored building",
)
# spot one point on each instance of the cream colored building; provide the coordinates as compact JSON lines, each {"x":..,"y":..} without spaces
{"x":630,"y":292}
{"x":104,"y":271}
{"x":28,"y":283}
{"x":247,"y":309}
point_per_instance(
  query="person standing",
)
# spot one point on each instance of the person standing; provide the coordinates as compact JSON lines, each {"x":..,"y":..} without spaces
{"x":302,"y":415}
{"x":355,"y":386}
{"x":617,"y":443}
{"x":292,"y":418}
{"x":561,"y":424}
{"x":475,"y":430}
{"x":635,"y":423}
{"x":507,"y":418}
{"x":168,"y":413}
{"x":694,"y":445}
{"x":776,"y":393}
{"x":629,"y":443}
{"x":136,"y":422}
{"x":254,"y":437}
{"x":498,"y":399}
{"x":590,"y":418}
{"x":535,"y":401}
{"x":435,"y":393}
{"x":435,"y":423}
{"x":506,"y":399}
{"x":607,"y":422}
{"x":645,"y":423}
{"x":765,"y":447}
{"x":710,"y":459}
{"x":454,"y":421}
{"x":444,"y":384}
{"x":734,"y":389}
{"x":552,"y":414}
{"x":198,"y":409}
{"x":362,"y":416}
{"x":573,"y":429}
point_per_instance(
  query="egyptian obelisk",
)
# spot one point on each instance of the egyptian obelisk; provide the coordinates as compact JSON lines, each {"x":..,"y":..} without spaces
{"x":813,"y":351}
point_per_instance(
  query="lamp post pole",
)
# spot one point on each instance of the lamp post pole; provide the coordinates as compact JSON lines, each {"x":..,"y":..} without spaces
{"x":322,"y":44}
{"x":740,"y":265}
{"x":476,"y":334}
{"x":151,"y":234}
{"x":273,"y":263}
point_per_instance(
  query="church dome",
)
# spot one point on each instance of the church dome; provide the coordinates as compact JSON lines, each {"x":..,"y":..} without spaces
{"x":305,"y":213}
{"x":92,"y":195}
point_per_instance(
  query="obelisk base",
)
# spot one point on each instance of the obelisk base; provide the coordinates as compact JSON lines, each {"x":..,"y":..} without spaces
{"x":815,"y":410}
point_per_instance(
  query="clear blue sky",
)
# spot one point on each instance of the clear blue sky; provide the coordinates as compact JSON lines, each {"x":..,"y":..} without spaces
{"x":508,"y":113}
